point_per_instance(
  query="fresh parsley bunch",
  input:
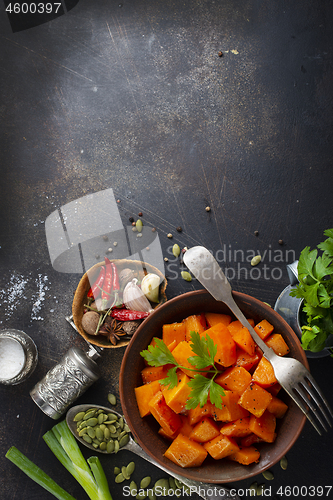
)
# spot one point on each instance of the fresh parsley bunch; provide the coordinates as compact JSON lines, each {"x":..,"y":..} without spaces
{"x":201,"y":386}
{"x":316,"y":288}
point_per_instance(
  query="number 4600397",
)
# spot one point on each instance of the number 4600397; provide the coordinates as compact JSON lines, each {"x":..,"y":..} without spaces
{"x":33,"y":8}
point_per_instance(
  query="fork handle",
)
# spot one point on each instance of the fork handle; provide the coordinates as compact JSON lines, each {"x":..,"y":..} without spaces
{"x":203,"y":490}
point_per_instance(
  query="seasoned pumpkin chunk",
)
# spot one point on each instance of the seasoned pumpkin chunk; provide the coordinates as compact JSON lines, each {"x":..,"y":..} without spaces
{"x":185,"y":452}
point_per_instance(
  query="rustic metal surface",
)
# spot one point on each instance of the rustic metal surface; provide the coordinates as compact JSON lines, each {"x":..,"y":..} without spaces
{"x":134,"y":96}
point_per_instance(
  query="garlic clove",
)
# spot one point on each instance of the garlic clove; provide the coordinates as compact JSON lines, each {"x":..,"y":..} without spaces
{"x":150,"y":287}
{"x":134,"y":298}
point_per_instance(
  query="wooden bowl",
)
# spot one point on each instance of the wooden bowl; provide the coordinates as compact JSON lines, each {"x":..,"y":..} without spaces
{"x":145,"y":429}
{"x":80,"y":298}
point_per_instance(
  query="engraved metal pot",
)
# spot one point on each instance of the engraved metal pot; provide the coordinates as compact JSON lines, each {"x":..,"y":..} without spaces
{"x":66,"y":381}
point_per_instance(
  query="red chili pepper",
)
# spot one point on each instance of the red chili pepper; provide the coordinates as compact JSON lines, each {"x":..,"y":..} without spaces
{"x":97,"y":286}
{"x":128,"y":315}
{"x":115,"y":280}
{"x":107,"y":286}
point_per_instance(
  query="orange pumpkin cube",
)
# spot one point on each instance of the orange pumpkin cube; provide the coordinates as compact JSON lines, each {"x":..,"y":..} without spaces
{"x":264,"y":426}
{"x":205,"y":430}
{"x":185,"y":452}
{"x":245,"y":456}
{"x":216,"y":318}
{"x":264,"y":374}
{"x":165,"y":416}
{"x":173,"y":332}
{"x":278,"y":344}
{"x":152,"y":373}
{"x":230,"y":410}
{"x":255,"y":399}
{"x":144,"y":394}
{"x":235,"y":378}
{"x":246,"y":360}
{"x":194,"y":323}
{"x":226,"y":347}
{"x":244,"y":340}
{"x":277,"y":407}
{"x":238,"y":428}
{"x":195,"y":414}
{"x":221,"y":446}
{"x":263,"y":329}
{"x":177,"y":397}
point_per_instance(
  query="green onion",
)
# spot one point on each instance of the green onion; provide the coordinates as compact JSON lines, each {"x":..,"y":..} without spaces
{"x":63,"y":444}
{"x":35,"y":473}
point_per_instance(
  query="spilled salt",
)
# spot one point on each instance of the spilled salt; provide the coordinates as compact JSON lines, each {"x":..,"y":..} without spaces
{"x":12,"y":358}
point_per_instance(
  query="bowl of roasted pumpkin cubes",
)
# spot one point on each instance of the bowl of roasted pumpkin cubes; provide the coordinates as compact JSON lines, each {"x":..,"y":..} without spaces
{"x":199,"y":396}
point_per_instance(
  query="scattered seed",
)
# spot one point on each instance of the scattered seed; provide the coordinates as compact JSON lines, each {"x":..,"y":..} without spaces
{"x":186,"y":276}
{"x":110,"y":250}
{"x":141,"y":494}
{"x":139,"y":235}
{"x":116,"y":470}
{"x":179,"y":229}
{"x":131,"y":219}
{"x":169,"y":235}
{"x":124,"y":472}
{"x":280,"y":242}
{"x":130,"y":468}
{"x":133,"y":223}
{"x":118,"y":201}
{"x":268,"y":475}
{"x":139,"y":225}
{"x":105,"y":238}
{"x":162,"y":483}
{"x":145,"y":482}
{"x":220,"y":53}
{"x":133,"y":488}
{"x":166,"y":259}
{"x":119,"y":478}
{"x":208,"y":209}
{"x":260,"y":489}
{"x":256,"y":233}
{"x":284,"y":463}
{"x":176,"y":250}
{"x":140,"y":214}
{"x":151,"y":494}
{"x":153,"y":229}
{"x":112,"y":399}
{"x":253,"y":489}
{"x":256,"y":259}
{"x":115,"y":244}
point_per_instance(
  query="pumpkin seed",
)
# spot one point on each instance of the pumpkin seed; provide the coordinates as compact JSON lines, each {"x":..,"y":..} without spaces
{"x":83,"y":431}
{"x":107,"y":434}
{"x":126,"y":428}
{"x":87,"y":438}
{"x":123,"y":441}
{"x":141,"y":494}
{"x":268,"y":475}
{"x":176,"y":250}
{"x":186,"y":276}
{"x":119,"y":478}
{"x":260,"y":489}
{"x":162,"y":484}
{"x":133,"y":488}
{"x":130,"y":468}
{"x":112,"y":417}
{"x":79,"y":416}
{"x":112,"y":399}
{"x":102,"y":446}
{"x":124,"y":472}
{"x":102,"y":427}
{"x":116,"y":446}
{"x":121,"y":423}
{"x":89,"y":414}
{"x":284,"y":463}
{"x":91,"y":422}
{"x":256,"y":259}
{"x":151,"y":494}
{"x":253,"y":489}
{"x":99,"y":434}
{"x":145,"y":482}
{"x":139,"y":225}
{"x":116,"y":470}
{"x":91,"y":432}
{"x":110,"y":447}
{"x":112,"y":429}
{"x":95,"y":445}
{"x":179,"y":484}
{"x":100,"y":418}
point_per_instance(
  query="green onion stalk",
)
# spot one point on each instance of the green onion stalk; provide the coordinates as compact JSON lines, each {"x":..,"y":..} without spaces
{"x":89,"y":474}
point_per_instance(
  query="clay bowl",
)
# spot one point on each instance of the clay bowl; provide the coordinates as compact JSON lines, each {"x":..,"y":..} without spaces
{"x":80,"y":298}
{"x":145,"y":429}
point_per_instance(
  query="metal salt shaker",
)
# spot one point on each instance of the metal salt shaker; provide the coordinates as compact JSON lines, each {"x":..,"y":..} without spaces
{"x":67,"y":381}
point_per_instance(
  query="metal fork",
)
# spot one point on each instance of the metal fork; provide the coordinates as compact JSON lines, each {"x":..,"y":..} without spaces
{"x":290,"y":373}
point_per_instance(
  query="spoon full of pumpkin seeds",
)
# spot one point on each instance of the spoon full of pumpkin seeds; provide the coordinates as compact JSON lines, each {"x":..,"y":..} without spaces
{"x":105,"y":430}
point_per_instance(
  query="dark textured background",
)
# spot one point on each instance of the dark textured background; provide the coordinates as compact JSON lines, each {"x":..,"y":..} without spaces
{"x":134,"y":96}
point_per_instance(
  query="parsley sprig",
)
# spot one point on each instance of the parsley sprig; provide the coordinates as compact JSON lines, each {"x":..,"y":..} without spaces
{"x":202,"y":386}
{"x":315,"y":274}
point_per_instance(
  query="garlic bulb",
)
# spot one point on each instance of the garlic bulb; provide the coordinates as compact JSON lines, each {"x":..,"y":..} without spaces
{"x":150,"y":287}
{"x":134,"y":298}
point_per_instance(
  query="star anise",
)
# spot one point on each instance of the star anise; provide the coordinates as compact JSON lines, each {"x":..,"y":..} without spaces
{"x":111,"y":329}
